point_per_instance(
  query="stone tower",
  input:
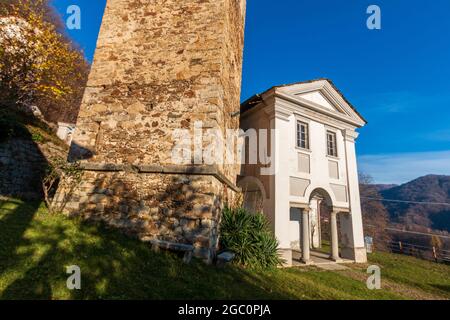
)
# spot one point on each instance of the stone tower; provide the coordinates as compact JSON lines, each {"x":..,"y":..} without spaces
{"x":160,"y":65}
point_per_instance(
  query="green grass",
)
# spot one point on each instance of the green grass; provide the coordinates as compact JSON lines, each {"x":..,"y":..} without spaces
{"x":36,"y":247}
{"x":427,"y":276}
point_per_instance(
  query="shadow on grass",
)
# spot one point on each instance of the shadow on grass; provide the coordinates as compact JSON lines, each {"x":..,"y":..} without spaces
{"x":113,"y":266}
{"x":444,"y":288}
{"x":13,"y":224}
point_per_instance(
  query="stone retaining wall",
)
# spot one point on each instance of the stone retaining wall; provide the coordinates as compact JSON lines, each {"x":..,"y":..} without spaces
{"x":176,"y":208}
{"x":22,"y":166}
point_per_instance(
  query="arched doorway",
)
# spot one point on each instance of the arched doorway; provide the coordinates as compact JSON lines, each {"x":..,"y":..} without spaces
{"x":322,"y":227}
{"x":253,"y":194}
{"x":321,"y":205}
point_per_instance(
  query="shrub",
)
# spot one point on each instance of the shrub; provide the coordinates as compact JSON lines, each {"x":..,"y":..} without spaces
{"x":59,"y":169}
{"x":249,"y":237}
{"x":37,"y":137}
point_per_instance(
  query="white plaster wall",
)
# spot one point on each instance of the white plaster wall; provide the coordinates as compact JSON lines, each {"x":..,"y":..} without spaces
{"x":284,"y":227}
{"x":260,"y":120}
{"x":65,"y":131}
{"x":319,"y":173}
{"x":351,"y":224}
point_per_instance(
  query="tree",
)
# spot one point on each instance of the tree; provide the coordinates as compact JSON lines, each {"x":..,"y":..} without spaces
{"x":375,"y":216}
{"x":39,"y":66}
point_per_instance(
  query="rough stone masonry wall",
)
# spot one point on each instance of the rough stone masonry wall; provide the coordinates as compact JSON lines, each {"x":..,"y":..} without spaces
{"x":160,"y":65}
{"x":23,"y":163}
{"x":22,"y":166}
{"x":176,"y":208}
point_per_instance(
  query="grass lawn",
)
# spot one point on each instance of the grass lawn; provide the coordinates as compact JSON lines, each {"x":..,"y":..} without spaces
{"x":36,"y":247}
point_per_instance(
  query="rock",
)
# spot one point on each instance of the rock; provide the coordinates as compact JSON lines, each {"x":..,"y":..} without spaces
{"x":224,"y":258}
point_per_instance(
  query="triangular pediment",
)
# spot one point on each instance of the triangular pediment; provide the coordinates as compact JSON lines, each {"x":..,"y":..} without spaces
{"x":319,"y":98}
{"x":321,"y":95}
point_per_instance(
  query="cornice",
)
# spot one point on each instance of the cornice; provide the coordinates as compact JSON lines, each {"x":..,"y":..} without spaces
{"x":350,"y":135}
{"x":329,"y":92}
{"x":302,"y":111}
{"x":299,"y":101}
{"x":205,"y":170}
{"x":278,"y":112}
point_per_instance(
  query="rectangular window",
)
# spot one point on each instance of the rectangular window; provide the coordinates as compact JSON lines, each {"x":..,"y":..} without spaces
{"x":331,"y":144}
{"x":302,"y":135}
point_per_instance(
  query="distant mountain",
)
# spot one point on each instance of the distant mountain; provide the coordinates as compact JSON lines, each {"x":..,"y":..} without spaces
{"x":431,"y":189}
{"x":382,"y":187}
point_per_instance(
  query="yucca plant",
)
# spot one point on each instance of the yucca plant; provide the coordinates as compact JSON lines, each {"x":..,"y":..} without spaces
{"x":248,"y":236}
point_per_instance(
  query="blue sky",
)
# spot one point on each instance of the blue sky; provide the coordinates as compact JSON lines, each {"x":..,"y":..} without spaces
{"x":397,"y":77}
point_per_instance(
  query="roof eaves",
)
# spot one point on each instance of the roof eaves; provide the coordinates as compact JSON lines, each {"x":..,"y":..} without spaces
{"x":257,"y":98}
